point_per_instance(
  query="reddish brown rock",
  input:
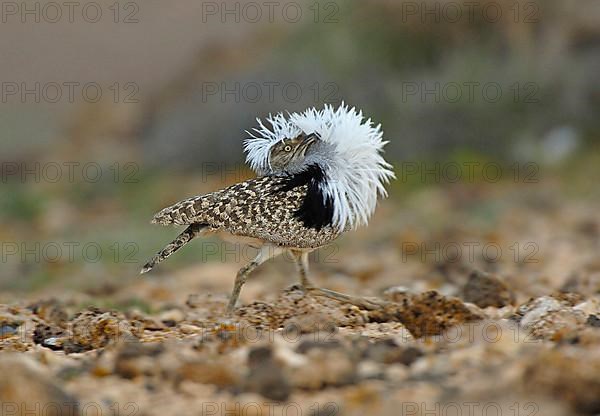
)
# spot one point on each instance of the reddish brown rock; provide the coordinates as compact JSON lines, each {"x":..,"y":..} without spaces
{"x":426,"y":314}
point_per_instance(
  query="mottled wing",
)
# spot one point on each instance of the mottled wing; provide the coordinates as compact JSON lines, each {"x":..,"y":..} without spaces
{"x":260,"y":208}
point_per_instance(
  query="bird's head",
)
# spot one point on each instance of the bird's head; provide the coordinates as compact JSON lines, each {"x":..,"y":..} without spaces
{"x":336,"y":152}
{"x":290,"y":155}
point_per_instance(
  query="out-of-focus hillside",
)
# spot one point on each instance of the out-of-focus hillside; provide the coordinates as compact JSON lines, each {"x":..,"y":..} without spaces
{"x":496,"y":77}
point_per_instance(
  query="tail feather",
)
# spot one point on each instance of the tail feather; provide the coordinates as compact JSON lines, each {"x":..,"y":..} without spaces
{"x":182,"y":239}
{"x":183,"y":212}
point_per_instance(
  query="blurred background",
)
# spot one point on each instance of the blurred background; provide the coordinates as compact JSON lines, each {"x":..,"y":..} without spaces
{"x":111,"y":111}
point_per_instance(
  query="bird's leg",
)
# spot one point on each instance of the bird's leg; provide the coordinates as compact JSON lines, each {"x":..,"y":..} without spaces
{"x":240,"y":279}
{"x":301,"y":259}
{"x":266,"y":252}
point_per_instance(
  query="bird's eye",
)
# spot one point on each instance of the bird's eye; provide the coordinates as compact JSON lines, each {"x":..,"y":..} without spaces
{"x":287,"y":148}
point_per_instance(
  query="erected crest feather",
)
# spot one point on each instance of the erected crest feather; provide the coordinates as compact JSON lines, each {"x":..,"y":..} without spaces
{"x":354,"y":176}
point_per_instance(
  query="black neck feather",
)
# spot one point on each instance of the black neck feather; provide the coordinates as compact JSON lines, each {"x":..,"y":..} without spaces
{"x":316,"y":210}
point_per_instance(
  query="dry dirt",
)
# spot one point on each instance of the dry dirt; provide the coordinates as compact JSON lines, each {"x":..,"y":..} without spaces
{"x":519,"y":335}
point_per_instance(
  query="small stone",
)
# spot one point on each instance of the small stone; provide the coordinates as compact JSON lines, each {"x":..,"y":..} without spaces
{"x":387,"y":351}
{"x":396,"y":373}
{"x":397,"y":293}
{"x":550,"y":318}
{"x":593,"y":321}
{"x":484,"y":290}
{"x":325,"y":367}
{"x":49,"y":337}
{"x":51,"y":311}
{"x":369,"y":370}
{"x":582,"y":283}
{"x":425,"y":314}
{"x":189,"y":329}
{"x":95,"y":328}
{"x":8,"y":330}
{"x":569,"y":373}
{"x":307,"y":345}
{"x":215,"y":370}
{"x":171,"y":317}
{"x":146,"y":322}
{"x":266,"y":376}
{"x":24,"y":385}
{"x":303,"y":312}
{"x":570,"y":298}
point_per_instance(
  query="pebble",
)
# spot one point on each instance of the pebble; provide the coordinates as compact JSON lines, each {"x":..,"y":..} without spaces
{"x":8,"y":330}
{"x":484,"y":289}
{"x":25,"y":385}
{"x":266,"y":375}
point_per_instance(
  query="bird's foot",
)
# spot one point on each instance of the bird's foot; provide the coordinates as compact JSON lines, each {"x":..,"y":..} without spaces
{"x":360,"y":301}
{"x":294,"y":287}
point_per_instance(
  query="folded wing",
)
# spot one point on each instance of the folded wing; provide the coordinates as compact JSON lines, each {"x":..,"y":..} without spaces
{"x":261,"y":208}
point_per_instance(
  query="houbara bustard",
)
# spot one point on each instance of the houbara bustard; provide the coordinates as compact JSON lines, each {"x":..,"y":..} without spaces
{"x":320,"y":173}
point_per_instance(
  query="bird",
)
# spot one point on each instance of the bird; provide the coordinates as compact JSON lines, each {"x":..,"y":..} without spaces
{"x":320,"y":174}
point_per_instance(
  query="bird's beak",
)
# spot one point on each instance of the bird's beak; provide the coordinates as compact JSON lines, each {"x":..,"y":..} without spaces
{"x":307,"y":142}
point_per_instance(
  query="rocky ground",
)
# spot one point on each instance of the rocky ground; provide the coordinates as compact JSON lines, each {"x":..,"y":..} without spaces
{"x":515,"y":334}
